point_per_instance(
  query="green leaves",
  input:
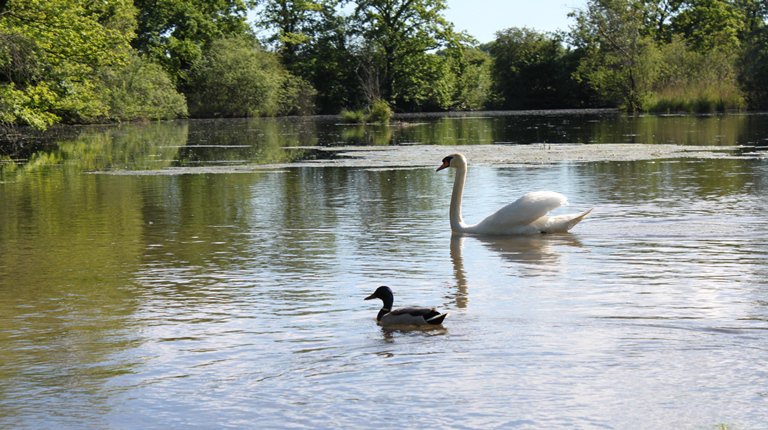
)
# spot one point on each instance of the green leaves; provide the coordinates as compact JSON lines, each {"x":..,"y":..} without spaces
{"x":397,"y":40}
{"x":677,"y":54}
{"x":141,"y":90}
{"x":28,"y":106}
{"x":710,"y":24}
{"x":176,"y":33}
{"x":52,"y":51}
{"x":236,"y":78}
{"x":530,"y":69}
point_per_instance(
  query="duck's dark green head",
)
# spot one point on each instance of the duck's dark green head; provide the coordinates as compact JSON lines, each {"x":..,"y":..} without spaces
{"x":385,"y":294}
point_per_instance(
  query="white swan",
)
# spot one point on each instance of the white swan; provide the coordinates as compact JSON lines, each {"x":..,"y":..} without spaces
{"x":526,"y":215}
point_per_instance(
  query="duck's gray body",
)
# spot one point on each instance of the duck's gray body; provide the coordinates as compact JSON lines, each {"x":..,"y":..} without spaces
{"x":410,"y":316}
{"x":403,"y":316}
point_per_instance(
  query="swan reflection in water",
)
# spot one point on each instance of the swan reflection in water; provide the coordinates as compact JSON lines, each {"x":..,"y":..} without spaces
{"x":532,"y":255}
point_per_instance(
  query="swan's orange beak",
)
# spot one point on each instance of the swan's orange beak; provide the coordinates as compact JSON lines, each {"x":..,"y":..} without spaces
{"x":445,"y":164}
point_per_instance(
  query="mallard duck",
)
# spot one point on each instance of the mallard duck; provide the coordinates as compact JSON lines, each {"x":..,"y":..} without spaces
{"x":403,"y":316}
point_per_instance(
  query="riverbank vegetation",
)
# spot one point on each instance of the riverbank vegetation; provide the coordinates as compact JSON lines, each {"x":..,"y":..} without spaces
{"x":79,"y":61}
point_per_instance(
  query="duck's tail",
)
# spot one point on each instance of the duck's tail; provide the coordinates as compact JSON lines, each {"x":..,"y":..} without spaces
{"x":437,"y":319}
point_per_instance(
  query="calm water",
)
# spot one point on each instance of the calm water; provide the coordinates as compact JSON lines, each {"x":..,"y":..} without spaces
{"x":235,"y":300}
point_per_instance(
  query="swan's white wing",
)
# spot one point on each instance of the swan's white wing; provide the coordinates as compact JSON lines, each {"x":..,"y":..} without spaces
{"x":522,"y":212}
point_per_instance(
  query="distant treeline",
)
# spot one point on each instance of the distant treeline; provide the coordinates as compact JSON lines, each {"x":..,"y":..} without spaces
{"x":85,"y":61}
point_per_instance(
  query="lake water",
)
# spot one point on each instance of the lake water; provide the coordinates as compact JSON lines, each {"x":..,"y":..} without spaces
{"x":211,"y":274}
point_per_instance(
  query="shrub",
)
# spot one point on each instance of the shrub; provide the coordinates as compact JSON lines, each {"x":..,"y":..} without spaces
{"x":142,"y":90}
{"x":30,"y":106}
{"x":356,"y":116}
{"x":237,"y":78}
{"x":379,"y":112}
{"x":691,"y":81}
{"x":297,"y":96}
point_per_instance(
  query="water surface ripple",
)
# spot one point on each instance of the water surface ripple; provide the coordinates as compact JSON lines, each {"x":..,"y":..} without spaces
{"x":235,"y":300}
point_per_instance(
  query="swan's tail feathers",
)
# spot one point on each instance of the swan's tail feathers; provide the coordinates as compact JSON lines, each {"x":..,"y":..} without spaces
{"x":578,"y":219}
{"x":563,"y":223}
{"x":437,"y":319}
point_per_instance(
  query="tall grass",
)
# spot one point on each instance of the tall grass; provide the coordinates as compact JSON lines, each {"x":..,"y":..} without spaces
{"x":354,"y":116}
{"x":690,"y":99}
{"x":378,"y":112}
{"x":690,"y":81}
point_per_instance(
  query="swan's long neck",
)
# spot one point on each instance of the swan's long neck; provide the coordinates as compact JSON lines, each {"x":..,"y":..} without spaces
{"x":457,"y":221}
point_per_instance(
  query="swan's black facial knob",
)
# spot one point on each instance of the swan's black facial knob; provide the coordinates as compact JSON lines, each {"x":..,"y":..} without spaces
{"x":446,"y":163}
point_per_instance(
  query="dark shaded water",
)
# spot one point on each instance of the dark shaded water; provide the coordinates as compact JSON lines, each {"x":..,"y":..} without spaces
{"x":234,"y":300}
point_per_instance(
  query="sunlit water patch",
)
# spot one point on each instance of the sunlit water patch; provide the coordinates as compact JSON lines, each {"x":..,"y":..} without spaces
{"x":235,"y":300}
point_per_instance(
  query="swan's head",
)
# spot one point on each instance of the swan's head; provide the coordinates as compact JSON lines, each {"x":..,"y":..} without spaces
{"x":453,"y":160}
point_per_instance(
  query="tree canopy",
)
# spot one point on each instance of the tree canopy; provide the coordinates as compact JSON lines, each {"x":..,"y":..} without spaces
{"x":51,"y":52}
{"x":115,"y":60}
{"x":175,"y":33}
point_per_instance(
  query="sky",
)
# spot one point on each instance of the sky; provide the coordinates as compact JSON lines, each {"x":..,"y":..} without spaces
{"x":483,"y":18}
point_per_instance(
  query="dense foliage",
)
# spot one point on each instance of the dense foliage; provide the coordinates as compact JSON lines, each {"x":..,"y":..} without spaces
{"x":176,"y":33}
{"x":533,"y":70}
{"x":78,"y":61}
{"x":236,"y":78}
{"x":670,"y":54}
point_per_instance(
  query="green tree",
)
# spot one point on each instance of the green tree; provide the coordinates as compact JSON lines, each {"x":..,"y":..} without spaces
{"x":329,"y":64}
{"x":175,"y":33}
{"x":753,"y":70}
{"x":141,"y":89}
{"x":398,"y":37}
{"x":530,"y":69}
{"x":472,"y":70}
{"x":296,"y":24}
{"x":657,"y":18}
{"x":620,"y":59}
{"x":710,"y":24}
{"x":51,"y":54}
{"x":237,"y":78}
{"x":312,"y":39}
{"x":755,"y":13}
{"x":752,"y":64}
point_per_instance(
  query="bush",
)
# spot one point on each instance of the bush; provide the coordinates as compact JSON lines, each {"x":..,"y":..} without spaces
{"x":142,"y":90}
{"x":695,"y":82}
{"x":236,"y":78}
{"x":356,"y":116}
{"x":297,"y":96}
{"x":379,"y":112}
{"x":30,"y":106}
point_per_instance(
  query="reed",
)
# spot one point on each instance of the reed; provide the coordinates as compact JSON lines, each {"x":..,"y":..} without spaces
{"x":696,"y":98}
{"x":355,"y":116}
{"x":378,"y":112}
